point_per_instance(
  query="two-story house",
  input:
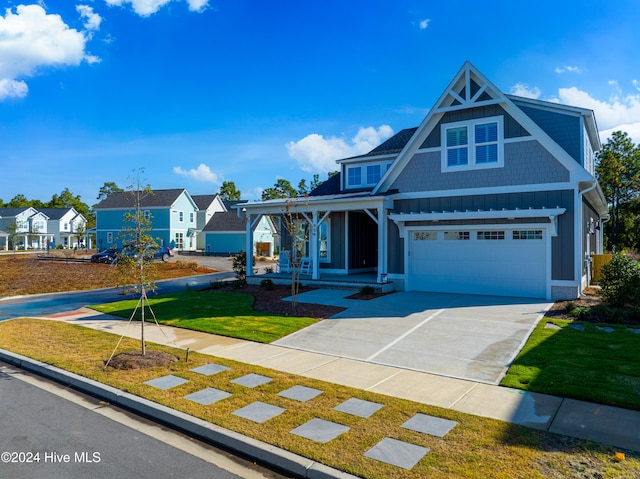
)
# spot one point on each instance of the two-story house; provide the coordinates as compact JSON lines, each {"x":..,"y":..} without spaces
{"x":172,"y":214}
{"x":491,"y":194}
{"x":28,"y":225}
{"x":208,"y":205}
{"x":66,"y":226}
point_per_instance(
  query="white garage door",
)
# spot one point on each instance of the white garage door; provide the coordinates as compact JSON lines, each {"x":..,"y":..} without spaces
{"x":491,"y":262}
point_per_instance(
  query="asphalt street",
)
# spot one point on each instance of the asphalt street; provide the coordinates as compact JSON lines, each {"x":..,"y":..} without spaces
{"x":48,"y":431}
{"x":46,"y":304}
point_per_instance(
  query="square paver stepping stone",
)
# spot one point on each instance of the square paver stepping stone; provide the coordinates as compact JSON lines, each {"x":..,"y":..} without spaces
{"x":207,"y":396}
{"x":300,"y":393}
{"x":552,"y":326}
{"x":358,"y":407}
{"x":579,"y":327}
{"x":166,"y":382}
{"x":320,"y":430}
{"x":397,"y":453}
{"x":606,"y":329}
{"x":210,"y":369}
{"x":252,"y":380}
{"x":259,"y":411}
{"x":426,"y":424}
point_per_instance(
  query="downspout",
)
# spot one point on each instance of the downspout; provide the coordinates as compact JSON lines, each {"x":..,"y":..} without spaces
{"x":587,"y":260}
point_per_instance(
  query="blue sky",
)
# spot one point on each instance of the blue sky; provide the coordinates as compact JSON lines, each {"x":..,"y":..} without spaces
{"x":197,"y":92}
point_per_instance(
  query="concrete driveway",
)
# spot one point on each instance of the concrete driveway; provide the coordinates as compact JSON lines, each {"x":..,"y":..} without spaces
{"x":461,"y":336}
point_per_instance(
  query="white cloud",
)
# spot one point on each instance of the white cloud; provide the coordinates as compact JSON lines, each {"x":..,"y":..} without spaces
{"x":31,"y":39}
{"x":91,"y":19}
{"x":197,"y":5}
{"x":315,"y":153}
{"x":13,"y":89}
{"x":524,"y":90}
{"x":618,"y":110}
{"x":145,"y":8}
{"x":201,"y":173}
{"x":424,"y":24}
{"x":568,"y":68}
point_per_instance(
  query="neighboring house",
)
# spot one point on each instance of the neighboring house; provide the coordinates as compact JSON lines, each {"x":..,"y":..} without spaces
{"x":491,"y":194}
{"x":207,"y":205}
{"x":172,"y":214}
{"x":225,"y":235}
{"x":30,"y":227}
{"x":66,"y":226}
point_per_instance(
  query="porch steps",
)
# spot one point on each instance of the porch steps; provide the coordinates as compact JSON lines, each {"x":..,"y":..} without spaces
{"x":333,"y":283}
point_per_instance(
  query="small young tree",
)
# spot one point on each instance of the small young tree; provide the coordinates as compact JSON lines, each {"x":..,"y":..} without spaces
{"x":297,"y":228}
{"x":134,"y":263}
{"x":12,"y":231}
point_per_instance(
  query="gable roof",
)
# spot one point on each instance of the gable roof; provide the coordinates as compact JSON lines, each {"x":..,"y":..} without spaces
{"x":470,"y":89}
{"x":9,"y":212}
{"x":156,"y":199}
{"x":225,"y":221}
{"x":393,"y":145}
{"x":203,"y":201}
{"x":59,"y":213}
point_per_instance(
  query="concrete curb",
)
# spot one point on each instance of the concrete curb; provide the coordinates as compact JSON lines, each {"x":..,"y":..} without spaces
{"x":260,"y":451}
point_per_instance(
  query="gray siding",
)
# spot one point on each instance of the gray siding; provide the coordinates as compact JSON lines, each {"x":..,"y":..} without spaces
{"x":566,"y":130}
{"x":562,"y":246}
{"x":525,"y":162}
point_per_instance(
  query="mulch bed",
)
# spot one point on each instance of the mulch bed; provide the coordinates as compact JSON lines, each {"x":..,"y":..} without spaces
{"x":270,"y":301}
{"x":135,"y":359}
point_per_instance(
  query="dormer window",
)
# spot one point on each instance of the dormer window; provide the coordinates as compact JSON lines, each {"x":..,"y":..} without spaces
{"x":354,"y":176}
{"x":373,"y":174}
{"x":472,"y":144}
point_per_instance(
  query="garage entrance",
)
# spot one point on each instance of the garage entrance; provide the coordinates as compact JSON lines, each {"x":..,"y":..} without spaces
{"x":501,"y":262}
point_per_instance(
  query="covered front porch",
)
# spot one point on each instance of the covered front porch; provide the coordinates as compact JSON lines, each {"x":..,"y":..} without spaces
{"x":331,"y":240}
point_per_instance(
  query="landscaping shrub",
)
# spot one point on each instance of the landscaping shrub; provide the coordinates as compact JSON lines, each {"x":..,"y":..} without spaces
{"x":620,"y":281}
{"x":240,"y":266}
{"x":367,"y":290}
{"x":267,"y":284}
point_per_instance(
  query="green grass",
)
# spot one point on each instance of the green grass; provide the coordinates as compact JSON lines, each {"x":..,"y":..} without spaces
{"x":216,"y":312}
{"x":590,"y":365}
{"x":477,"y":448}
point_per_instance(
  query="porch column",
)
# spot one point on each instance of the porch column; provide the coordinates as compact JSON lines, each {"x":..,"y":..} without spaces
{"x":249,"y":245}
{"x":313,"y":246}
{"x":382,"y":243}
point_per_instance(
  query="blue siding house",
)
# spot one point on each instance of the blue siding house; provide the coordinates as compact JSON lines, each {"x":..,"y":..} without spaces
{"x":491,"y":194}
{"x":173,"y":216}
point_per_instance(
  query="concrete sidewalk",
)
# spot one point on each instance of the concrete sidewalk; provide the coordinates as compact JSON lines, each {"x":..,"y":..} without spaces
{"x":605,"y":424}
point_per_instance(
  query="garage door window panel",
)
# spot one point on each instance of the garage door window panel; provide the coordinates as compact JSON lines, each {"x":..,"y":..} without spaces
{"x":490,"y":235}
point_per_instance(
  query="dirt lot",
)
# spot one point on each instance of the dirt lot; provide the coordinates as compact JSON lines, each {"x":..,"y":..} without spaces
{"x":26,"y":274}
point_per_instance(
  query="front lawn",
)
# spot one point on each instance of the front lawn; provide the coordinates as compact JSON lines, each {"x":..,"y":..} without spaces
{"x":217,"y":312}
{"x":476,"y":448}
{"x":581,"y":360}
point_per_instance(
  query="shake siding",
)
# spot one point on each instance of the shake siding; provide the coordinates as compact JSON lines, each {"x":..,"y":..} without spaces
{"x":526,"y":162}
{"x":566,"y":130}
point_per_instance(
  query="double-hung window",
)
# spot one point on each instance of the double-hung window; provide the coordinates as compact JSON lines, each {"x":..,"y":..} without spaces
{"x":472,"y":144}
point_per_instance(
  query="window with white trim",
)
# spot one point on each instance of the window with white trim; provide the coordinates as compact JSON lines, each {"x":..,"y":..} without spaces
{"x":456,"y":235}
{"x":179,"y":241}
{"x":527,"y":235}
{"x":147,"y":215}
{"x":373,"y":174}
{"x":490,"y":235}
{"x":354,"y":176}
{"x":109,"y":238}
{"x":472,"y":144}
{"x":191,"y":216}
{"x":181,"y":216}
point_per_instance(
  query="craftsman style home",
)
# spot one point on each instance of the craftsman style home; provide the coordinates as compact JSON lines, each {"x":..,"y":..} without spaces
{"x":491,"y":194}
